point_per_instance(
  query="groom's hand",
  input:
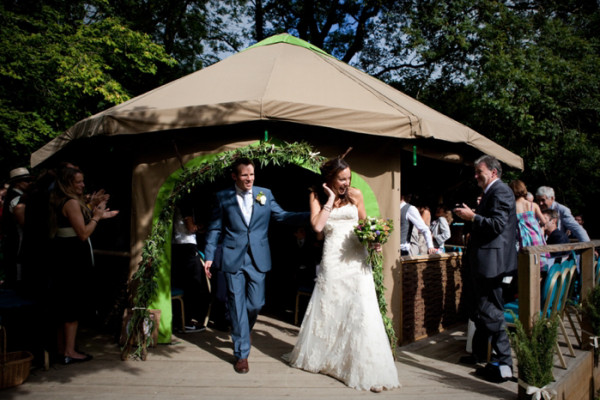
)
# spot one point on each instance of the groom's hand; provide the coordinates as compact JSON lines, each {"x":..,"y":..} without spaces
{"x":207,"y":265}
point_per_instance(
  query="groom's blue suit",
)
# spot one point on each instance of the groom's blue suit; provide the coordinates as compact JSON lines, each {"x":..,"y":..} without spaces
{"x":246,"y":256}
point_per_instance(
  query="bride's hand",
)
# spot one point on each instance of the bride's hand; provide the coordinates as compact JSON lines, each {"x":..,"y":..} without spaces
{"x":328,"y":191}
{"x":376,"y":247}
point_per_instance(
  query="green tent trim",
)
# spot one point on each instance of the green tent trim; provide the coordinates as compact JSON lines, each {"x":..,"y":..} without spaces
{"x":287,"y":38}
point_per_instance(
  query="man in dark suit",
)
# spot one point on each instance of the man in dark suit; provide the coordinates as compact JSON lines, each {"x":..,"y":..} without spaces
{"x":241,"y":220}
{"x":492,"y":258}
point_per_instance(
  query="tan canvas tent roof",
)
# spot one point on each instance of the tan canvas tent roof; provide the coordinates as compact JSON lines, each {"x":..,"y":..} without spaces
{"x":279,"y":79}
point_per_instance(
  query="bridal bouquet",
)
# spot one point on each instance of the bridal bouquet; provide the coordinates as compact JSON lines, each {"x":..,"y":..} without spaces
{"x":370,"y":231}
{"x":373,"y":230}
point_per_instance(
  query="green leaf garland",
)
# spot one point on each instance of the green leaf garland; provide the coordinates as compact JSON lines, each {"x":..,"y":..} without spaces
{"x":144,"y":284}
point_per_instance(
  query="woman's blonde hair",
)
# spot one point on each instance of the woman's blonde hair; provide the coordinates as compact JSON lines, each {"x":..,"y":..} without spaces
{"x":63,"y":191}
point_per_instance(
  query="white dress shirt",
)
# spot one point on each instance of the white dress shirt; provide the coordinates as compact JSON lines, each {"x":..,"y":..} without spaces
{"x":413,"y":216}
{"x":244,"y":199}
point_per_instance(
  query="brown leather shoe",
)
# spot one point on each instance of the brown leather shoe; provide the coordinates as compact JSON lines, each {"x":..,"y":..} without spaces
{"x":241,"y":366}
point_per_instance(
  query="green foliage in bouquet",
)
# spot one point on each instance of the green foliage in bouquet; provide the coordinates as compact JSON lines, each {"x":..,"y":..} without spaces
{"x":372,"y":230}
{"x":535,"y":352}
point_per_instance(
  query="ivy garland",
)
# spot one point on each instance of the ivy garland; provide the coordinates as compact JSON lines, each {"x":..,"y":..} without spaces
{"x":144,"y":284}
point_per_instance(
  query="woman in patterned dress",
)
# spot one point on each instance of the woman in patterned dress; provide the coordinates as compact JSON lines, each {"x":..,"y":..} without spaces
{"x":530,"y":221}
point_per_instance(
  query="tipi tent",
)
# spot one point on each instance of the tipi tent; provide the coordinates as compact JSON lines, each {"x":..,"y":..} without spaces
{"x":282,"y":84}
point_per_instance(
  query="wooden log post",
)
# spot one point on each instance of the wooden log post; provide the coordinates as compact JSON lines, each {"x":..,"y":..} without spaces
{"x":529,"y":289}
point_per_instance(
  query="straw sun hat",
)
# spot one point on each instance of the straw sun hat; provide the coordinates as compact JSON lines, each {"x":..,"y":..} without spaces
{"x":18,"y":174}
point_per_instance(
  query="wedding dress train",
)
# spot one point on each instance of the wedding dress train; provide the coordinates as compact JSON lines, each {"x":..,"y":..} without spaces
{"x":342,"y":334}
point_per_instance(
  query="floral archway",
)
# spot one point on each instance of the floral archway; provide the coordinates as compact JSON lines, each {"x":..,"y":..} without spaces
{"x":147,"y":285}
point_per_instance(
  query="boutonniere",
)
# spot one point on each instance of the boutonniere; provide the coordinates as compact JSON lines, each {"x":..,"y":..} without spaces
{"x":261,"y":198}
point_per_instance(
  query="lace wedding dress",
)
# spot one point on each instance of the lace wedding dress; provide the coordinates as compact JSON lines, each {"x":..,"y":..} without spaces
{"x":342,"y":334}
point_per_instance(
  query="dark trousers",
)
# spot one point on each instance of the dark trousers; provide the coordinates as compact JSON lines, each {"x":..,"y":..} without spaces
{"x":187,"y":273}
{"x":488,"y":315}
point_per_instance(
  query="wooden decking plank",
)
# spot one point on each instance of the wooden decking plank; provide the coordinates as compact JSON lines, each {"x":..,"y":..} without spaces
{"x":199,"y":365}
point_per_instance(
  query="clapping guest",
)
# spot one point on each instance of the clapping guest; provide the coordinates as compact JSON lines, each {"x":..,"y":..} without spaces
{"x":73,"y":223}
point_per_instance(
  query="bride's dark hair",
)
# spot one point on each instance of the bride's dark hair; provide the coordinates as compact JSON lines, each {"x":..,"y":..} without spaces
{"x":329,"y":171}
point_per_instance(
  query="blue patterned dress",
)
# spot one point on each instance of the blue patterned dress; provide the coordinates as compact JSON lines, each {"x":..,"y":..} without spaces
{"x":529,"y":233}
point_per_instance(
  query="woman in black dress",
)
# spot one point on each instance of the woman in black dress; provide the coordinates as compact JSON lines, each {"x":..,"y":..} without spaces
{"x":74,"y":222}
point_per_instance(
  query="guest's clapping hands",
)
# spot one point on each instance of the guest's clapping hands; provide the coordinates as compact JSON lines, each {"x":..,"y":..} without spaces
{"x":98,"y":197}
{"x":102,"y":212}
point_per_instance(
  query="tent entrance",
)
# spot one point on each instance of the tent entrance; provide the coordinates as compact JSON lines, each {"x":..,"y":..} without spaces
{"x":290,"y":184}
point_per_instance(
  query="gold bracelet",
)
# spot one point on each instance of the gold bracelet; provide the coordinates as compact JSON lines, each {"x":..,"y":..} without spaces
{"x":473,"y":219}
{"x":95,"y":220}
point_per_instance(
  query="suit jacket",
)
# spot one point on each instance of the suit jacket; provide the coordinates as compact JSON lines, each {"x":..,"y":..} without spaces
{"x":228,"y":224}
{"x":492,"y":252}
{"x":566,"y":221}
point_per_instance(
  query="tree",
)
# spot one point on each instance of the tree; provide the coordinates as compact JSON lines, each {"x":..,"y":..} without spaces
{"x":338,"y":27}
{"x":59,"y":66}
{"x":177,"y":25}
{"x":522,"y":73}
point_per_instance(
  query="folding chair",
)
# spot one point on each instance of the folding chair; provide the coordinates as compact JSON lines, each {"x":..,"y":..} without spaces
{"x":573,"y":306}
{"x":554,"y":296}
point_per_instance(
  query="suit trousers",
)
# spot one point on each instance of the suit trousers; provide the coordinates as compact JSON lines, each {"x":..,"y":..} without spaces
{"x":489,"y":321}
{"x":245,"y":298}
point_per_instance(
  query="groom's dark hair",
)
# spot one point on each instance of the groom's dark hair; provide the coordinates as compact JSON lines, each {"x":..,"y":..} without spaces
{"x":240,"y":161}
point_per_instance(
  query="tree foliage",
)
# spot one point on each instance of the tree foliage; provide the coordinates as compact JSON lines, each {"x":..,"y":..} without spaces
{"x":522,"y":73}
{"x":339,"y":27}
{"x":177,"y":25}
{"x":60,"y":65}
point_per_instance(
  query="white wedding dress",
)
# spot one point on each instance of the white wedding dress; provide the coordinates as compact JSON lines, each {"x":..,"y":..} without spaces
{"x":342,"y":334}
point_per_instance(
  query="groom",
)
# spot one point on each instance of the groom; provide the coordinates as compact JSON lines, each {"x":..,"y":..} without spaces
{"x":241,"y":221}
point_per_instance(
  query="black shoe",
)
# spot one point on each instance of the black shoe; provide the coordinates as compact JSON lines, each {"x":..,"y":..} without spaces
{"x":491,"y":373}
{"x":70,"y":360}
{"x":469,"y":360}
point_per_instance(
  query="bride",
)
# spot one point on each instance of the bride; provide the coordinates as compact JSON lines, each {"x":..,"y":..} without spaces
{"x":342,"y":334}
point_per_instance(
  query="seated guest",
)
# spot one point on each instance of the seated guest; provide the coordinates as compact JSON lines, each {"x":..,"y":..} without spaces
{"x":553,"y":234}
{"x":545,"y":198}
{"x":187,"y":271}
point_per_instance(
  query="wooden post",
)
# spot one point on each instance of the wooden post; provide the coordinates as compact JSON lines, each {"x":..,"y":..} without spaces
{"x":588,"y":280}
{"x":529,"y":289}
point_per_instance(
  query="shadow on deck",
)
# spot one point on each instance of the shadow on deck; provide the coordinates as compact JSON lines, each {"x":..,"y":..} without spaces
{"x":199,"y":365}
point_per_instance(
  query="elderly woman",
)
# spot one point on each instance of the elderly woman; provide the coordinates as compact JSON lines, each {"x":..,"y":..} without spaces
{"x":73,"y":223}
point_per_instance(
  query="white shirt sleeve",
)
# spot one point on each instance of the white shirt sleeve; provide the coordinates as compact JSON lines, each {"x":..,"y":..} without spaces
{"x":413,"y":216}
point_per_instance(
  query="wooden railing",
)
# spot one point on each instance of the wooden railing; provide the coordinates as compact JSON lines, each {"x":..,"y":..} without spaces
{"x":529,"y":275}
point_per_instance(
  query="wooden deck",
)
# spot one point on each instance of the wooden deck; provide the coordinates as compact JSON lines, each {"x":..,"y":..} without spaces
{"x":199,"y":365}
